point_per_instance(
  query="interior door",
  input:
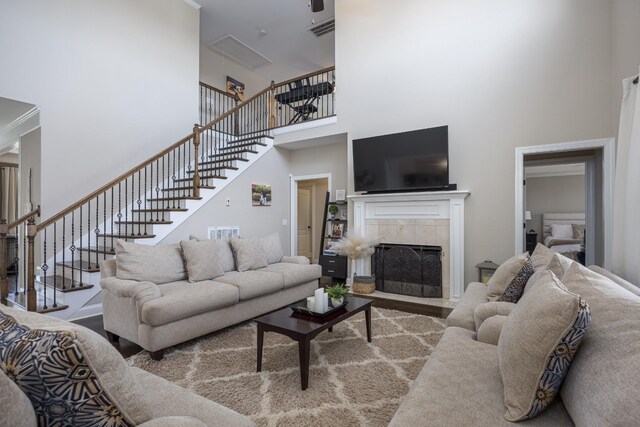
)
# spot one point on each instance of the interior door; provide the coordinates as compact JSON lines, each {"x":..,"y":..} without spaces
{"x":304,"y":222}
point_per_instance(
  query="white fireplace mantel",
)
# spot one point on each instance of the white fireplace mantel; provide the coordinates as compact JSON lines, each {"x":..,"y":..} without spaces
{"x":418,"y":205}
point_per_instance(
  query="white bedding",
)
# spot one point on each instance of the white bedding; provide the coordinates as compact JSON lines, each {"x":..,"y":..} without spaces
{"x":565,"y":249}
{"x":551,"y":241}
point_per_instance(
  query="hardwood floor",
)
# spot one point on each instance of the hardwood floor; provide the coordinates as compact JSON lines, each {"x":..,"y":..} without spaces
{"x":126,"y":348}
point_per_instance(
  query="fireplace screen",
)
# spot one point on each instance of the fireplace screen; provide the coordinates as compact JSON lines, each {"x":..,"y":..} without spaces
{"x":408,"y":270}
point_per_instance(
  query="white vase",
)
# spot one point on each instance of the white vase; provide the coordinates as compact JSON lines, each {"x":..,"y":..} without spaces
{"x":337,"y":301}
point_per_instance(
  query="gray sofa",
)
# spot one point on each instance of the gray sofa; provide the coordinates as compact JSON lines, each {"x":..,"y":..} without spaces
{"x":143,"y":398}
{"x":461,"y":382}
{"x":157,"y":316}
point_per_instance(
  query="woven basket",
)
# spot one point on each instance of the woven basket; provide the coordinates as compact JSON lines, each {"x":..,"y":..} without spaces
{"x":363,"y":284}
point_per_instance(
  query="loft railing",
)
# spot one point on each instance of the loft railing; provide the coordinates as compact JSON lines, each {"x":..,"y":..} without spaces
{"x":214,"y":103}
{"x":74,"y":241}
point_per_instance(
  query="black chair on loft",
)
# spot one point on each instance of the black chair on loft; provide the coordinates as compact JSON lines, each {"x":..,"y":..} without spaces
{"x":302,"y":97}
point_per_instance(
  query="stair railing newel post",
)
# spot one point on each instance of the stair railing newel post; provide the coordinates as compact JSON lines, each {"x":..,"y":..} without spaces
{"x":32,"y":230}
{"x":4,"y":279}
{"x":196,"y":168}
{"x":273,"y":107}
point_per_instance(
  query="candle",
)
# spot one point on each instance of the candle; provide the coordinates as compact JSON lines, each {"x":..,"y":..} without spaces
{"x":311,"y":303}
{"x":319,"y":300}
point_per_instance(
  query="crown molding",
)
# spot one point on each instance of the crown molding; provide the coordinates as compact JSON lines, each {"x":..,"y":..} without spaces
{"x":193,"y":4}
{"x":20,"y":120}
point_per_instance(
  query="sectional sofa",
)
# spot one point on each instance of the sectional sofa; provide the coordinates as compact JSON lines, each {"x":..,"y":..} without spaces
{"x":461,"y":382}
{"x":160,"y":296}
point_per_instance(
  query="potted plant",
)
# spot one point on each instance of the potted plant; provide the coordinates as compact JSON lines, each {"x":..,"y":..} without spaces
{"x":333,"y":210}
{"x":337,"y":293}
{"x":356,"y":246}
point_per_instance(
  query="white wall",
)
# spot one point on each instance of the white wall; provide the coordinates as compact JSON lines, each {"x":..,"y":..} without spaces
{"x":626,"y":48}
{"x":115,"y":81}
{"x":254,"y":221}
{"x":215,"y":68}
{"x":554,"y":194}
{"x":330,"y":158}
{"x":500,"y":73}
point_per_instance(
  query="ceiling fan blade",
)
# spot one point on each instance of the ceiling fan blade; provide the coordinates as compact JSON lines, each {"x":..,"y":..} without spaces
{"x":317,"y":5}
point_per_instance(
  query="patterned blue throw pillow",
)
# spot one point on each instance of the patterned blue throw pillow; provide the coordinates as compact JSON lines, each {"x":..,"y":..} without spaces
{"x":50,"y":368}
{"x":515,"y":288}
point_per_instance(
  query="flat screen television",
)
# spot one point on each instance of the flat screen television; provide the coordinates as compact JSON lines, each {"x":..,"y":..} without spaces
{"x":407,"y":161}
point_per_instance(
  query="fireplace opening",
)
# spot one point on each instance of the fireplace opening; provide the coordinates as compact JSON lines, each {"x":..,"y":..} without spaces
{"x":413,"y":270}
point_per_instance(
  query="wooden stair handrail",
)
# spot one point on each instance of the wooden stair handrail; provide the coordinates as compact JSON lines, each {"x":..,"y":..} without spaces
{"x":147,"y":162}
{"x":220,"y":91}
{"x":24,"y":218}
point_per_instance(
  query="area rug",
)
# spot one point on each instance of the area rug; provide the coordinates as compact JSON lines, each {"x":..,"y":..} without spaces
{"x":351,"y":382}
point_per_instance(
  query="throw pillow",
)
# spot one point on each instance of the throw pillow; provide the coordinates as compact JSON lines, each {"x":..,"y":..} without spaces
{"x":249,"y":254}
{"x":272,"y":248}
{"x":578,"y":231}
{"x":155,"y":264}
{"x":509,"y":280}
{"x":53,"y":371}
{"x":562,"y":231}
{"x":541,"y":256}
{"x":225,"y":254}
{"x":537,"y":344}
{"x":202,"y":259}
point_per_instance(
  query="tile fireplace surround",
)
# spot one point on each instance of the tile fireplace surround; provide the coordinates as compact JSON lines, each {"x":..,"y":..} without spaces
{"x":421,"y":218}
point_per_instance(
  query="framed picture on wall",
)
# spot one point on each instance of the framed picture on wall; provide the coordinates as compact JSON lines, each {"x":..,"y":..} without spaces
{"x":260,"y":195}
{"x":341,"y":195}
{"x":337,"y":230}
{"x":236,"y":88}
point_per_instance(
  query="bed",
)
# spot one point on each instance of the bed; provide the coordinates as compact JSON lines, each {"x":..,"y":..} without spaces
{"x":567,"y":243}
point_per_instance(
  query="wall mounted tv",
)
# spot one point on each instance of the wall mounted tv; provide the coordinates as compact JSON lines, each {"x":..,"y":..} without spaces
{"x":407,"y":161}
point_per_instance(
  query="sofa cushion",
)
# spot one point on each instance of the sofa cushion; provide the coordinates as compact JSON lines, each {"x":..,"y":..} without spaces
{"x":489,"y":309}
{"x":254,"y":283}
{"x":183,"y":299}
{"x":155,"y":264}
{"x":201,"y":259}
{"x":489,"y":331}
{"x":85,"y":378}
{"x":460,"y":385}
{"x":537,"y":344}
{"x":272,"y":248}
{"x":249,"y":254}
{"x":616,"y":279}
{"x":602,"y":384}
{"x":509,"y":280}
{"x":295,"y":274}
{"x":462,"y":314}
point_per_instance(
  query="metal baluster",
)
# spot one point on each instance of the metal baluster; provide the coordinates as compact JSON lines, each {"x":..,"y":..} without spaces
{"x":97,"y":231}
{"x":73,"y":246}
{"x":139,"y":202}
{"x":45,"y":267}
{"x":111,"y":222}
{"x":104,"y":222}
{"x":81,"y":240}
{"x":55,"y":251}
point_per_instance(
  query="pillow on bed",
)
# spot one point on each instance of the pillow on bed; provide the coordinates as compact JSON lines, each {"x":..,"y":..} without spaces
{"x":578,"y":231}
{"x":562,"y":231}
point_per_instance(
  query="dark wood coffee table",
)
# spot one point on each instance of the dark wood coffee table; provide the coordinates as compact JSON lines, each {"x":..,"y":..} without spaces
{"x":303,"y":328}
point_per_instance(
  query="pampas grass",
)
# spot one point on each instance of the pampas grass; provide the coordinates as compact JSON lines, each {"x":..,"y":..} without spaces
{"x":355,"y":245}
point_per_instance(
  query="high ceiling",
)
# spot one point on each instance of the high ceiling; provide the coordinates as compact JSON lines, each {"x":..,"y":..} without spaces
{"x":285,"y":38}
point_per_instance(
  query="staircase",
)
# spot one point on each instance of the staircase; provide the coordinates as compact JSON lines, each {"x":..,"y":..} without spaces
{"x":143,"y":205}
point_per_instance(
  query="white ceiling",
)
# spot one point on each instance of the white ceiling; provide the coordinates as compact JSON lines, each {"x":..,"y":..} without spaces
{"x":292,"y":48}
{"x":11,"y":110}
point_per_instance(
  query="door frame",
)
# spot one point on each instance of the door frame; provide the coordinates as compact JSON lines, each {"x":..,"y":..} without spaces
{"x":293,"y":231}
{"x":608,"y":170}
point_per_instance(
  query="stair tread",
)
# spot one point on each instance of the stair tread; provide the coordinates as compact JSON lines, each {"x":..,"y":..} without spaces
{"x":80,"y":265}
{"x":230,"y":159}
{"x":160,"y":199}
{"x":128,"y":236}
{"x":160,"y":210}
{"x":205,"y":187}
{"x":247,"y":138}
{"x":143,"y":222}
{"x":201,"y":178}
{"x":231,"y":153}
{"x":70,"y":285}
{"x":99,"y":249}
{"x":232,"y":145}
{"x":217,"y":168}
{"x":20,"y":300}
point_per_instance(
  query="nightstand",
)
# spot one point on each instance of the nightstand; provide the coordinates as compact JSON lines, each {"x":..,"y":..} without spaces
{"x":531,"y":241}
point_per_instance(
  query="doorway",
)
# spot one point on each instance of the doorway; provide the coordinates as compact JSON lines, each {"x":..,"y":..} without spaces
{"x":562,"y":186}
{"x":307,"y":205}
